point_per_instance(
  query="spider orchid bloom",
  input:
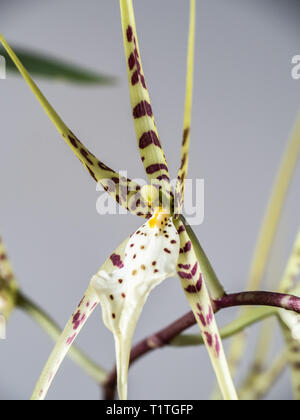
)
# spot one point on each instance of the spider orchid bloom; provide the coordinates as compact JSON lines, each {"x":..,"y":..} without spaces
{"x":159,"y":249}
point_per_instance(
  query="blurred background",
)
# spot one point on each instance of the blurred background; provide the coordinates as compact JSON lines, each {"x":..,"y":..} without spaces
{"x":245,"y":105}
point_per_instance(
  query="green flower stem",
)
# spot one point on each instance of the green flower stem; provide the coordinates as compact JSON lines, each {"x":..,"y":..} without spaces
{"x":50,"y":327}
{"x":215,"y":287}
{"x":255,"y":315}
{"x":260,"y":383}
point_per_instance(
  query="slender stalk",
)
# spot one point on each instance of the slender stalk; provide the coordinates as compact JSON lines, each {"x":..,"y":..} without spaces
{"x":167,"y":334}
{"x":260,"y":383}
{"x":51,"y":328}
{"x":215,"y":287}
{"x":234,"y":327}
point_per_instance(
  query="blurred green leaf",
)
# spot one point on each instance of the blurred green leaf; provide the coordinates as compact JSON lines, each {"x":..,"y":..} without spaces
{"x":41,"y":65}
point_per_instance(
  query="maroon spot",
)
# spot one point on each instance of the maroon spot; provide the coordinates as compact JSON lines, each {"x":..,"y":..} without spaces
{"x":73,"y":141}
{"x":85,"y":154}
{"x":173,"y":242}
{"x":3,"y":257}
{"x":181,"y":229}
{"x":155,"y":168}
{"x":143,"y":81}
{"x":185,"y":136}
{"x":71,"y":339}
{"x":184,"y":266}
{"x":167,"y":250}
{"x":202,"y":319}
{"x":186,"y":276}
{"x":94,"y":306}
{"x":141,"y":109}
{"x":104,"y":167}
{"x":209,"y":317}
{"x":129,"y":34}
{"x":183,"y":161}
{"x":148,"y":138}
{"x":191,"y":289}
{"x":199,"y":284}
{"x":209,"y":338}
{"x":116,"y":260}
{"x":194,"y":269}
{"x":131,"y":61}
{"x":163,"y":177}
{"x":135,"y":78}
{"x":92,"y":173}
{"x":187,"y":247}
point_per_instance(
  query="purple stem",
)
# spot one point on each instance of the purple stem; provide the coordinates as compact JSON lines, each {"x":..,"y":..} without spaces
{"x":167,"y":334}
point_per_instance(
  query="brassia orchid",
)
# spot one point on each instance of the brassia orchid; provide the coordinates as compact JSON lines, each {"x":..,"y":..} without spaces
{"x":159,"y":249}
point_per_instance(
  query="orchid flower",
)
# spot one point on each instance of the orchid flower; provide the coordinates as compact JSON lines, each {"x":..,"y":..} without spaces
{"x":159,"y":249}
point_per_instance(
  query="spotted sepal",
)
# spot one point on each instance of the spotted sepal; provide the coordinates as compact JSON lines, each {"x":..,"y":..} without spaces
{"x":85,"y":308}
{"x":150,"y":148}
{"x":183,"y":170}
{"x":193,"y":283}
{"x":120,"y":188}
{"x":150,"y":257}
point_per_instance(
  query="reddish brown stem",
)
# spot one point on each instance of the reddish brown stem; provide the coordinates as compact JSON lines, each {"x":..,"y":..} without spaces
{"x":167,"y":334}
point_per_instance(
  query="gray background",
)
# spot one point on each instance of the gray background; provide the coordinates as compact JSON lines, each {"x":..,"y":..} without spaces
{"x":245,"y":105}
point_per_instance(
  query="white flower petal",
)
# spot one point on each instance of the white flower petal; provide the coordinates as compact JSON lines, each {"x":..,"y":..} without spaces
{"x":150,"y":257}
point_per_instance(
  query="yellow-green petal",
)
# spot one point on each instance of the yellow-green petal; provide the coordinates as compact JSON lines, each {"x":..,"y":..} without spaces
{"x":120,"y":188}
{"x":149,"y":144}
{"x":193,"y":283}
{"x":183,"y":170}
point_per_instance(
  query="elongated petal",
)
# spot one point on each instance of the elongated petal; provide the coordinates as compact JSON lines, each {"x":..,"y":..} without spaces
{"x":72,"y":329}
{"x":293,"y":354}
{"x":148,"y":141}
{"x":75,"y":324}
{"x":195,"y":289}
{"x":118,"y":187}
{"x":150,"y":257}
{"x":292,"y":270}
{"x":183,"y":170}
{"x":268,"y":230}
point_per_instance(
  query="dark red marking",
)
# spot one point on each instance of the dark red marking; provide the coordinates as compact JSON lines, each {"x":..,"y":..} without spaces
{"x":155,"y":168}
{"x":135,"y":78}
{"x":148,"y":138}
{"x":85,"y":154}
{"x":116,"y":260}
{"x":141,"y":109}
{"x":209,"y":338}
{"x":73,"y":141}
{"x":129,"y":33}
{"x":194,"y":269}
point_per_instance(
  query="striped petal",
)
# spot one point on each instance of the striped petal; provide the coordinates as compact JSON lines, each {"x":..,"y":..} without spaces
{"x":147,"y":136}
{"x":120,"y":188}
{"x":192,"y":280}
{"x":182,"y":172}
{"x":292,"y":340}
{"x":71,"y":331}
{"x":150,"y":257}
